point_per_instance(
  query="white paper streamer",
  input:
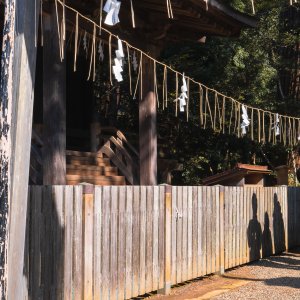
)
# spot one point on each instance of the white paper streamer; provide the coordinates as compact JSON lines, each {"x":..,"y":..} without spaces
{"x":183,"y":96}
{"x":276,"y":125}
{"x":101,"y":51}
{"x":85,"y":46}
{"x":246,"y":121}
{"x":112,"y":8}
{"x":117,"y":68}
{"x":135,"y":62}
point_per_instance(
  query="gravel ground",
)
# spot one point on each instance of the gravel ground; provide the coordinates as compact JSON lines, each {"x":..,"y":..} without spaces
{"x":273,"y":278}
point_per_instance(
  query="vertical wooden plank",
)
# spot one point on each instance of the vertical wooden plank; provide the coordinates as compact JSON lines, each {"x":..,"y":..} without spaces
{"x":97,"y":278}
{"x":179,"y":235}
{"x":135,"y":242}
{"x":208,"y":229}
{"x":88,"y":204}
{"x":226,"y":229}
{"x":218,"y":222}
{"x":234,"y":223}
{"x":184,"y":233}
{"x":156,"y":202}
{"x":161,"y":237}
{"x":232,"y":238}
{"x":284,"y":193}
{"x":222,"y":229}
{"x":58,"y":214}
{"x":245,"y":225}
{"x":238,"y":214}
{"x":143,"y":225}
{"x":174,"y":233}
{"x":195,"y":237}
{"x":48,"y":228}
{"x":204,"y":231}
{"x":35,"y":261}
{"x":149,"y":239}
{"x":200,"y":233}
{"x":167,"y":230}
{"x":190,"y":232}
{"x":68,"y":209}
{"x":122,"y":242}
{"x":113,"y":242}
{"x":213,"y":233}
{"x":106,"y":243}
{"x":77,"y":243}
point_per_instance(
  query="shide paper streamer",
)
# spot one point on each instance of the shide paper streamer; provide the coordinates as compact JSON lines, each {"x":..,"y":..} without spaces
{"x":216,"y":110}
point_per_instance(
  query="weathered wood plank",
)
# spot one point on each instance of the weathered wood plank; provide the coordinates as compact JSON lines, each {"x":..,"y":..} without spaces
{"x":189,"y":232}
{"x":59,"y":222}
{"x":179,"y":266}
{"x":174,"y":233}
{"x":195,"y":237}
{"x":54,"y":104}
{"x":218,"y":221}
{"x":184,"y":233}
{"x":200,"y":233}
{"x":78,"y":242}
{"x":142,"y":255}
{"x":114,"y":242}
{"x":129,"y":210}
{"x":88,"y":203}
{"x":135,"y":242}
{"x":36,"y":200}
{"x":122,"y":242}
{"x":213,"y":229}
{"x":149,"y":239}
{"x":106,"y":242}
{"x":204,"y":226}
{"x":68,"y":249}
{"x":161,"y":237}
{"x":156,"y":199}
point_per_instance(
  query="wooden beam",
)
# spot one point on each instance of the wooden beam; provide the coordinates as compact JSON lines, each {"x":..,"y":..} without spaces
{"x":17,"y":93}
{"x":147,"y":126}
{"x":54,"y":110}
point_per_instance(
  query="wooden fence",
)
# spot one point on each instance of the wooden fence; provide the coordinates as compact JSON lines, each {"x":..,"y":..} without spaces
{"x":120,"y":242}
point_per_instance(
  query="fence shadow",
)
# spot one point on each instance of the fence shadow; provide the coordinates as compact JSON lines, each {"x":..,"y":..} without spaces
{"x":44,"y":250}
{"x":267,"y":246}
{"x":278,"y":227}
{"x":254,"y":232}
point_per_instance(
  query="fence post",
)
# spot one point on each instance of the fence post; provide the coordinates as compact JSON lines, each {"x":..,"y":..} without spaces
{"x":222,"y":232}
{"x":88,"y":215}
{"x":167,"y":246}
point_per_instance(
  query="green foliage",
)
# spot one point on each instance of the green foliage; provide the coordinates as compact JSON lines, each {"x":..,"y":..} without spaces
{"x":248,"y":69}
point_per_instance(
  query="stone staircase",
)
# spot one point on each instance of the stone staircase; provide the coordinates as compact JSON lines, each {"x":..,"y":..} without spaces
{"x":93,"y":168}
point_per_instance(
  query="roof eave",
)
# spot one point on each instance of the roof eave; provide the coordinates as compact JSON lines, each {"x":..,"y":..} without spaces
{"x":245,"y":19}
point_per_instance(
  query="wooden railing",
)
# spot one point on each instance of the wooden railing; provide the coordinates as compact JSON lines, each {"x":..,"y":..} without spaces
{"x":122,"y":154}
{"x":36,"y":161}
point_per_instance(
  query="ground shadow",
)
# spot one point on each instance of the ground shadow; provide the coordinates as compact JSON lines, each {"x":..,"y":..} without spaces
{"x":254,"y":232}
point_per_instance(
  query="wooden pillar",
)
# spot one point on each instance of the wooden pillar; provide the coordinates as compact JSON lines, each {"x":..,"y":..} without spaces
{"x":17,"y":94}
{"x":147,"y":126}
{"x":54,"y":106}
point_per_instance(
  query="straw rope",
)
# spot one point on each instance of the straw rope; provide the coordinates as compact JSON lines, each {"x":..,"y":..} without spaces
{"x":217,"y":114}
